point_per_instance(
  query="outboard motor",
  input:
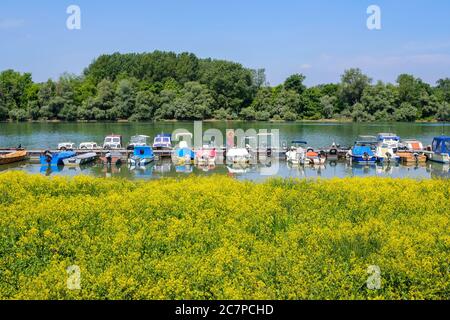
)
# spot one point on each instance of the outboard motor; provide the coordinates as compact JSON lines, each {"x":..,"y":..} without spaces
{"x":388,"y":156}
{"x":108,"y":157}
{"x":366,"y":156}
{"x":48,"y":156}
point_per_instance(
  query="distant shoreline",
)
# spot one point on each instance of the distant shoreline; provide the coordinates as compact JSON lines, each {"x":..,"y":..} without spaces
{"x":217,"y":120}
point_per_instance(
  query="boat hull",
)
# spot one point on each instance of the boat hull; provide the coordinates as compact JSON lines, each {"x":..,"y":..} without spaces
{"x":315,"y":161}
{"x":140,"y":161}
{"x":57,"y":158}
{"x":395,"y":159}
{"x":206,"y":161}
{"x":364,"y":160}
{"x":80,"y":160}
{"x":440,"y":157}
{"x":13,"y":157}
{"x":410,"y":158}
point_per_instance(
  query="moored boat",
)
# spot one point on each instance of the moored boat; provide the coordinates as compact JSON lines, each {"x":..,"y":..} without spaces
{"x":411,"y":152}
{"x":299,"y":155}
{"x":57,"y":158}
{"x":296,"y":154}
{"x":88,"y":146}
{"x":206,"y":156}
{"x":412,"y":146}
{"x":411,"y":158}
{"x":238,"y":155}
{"x":142,"y":156}
{"x":113,"y":142}
{"x":162,"y":142}
{"x":362,"y":154}
{"x":183,"y":154}
{"x":333,"y":152}
{"x":138,"y":141}
{"x":440,"y":151}
{"x":391,"y":140}
{"x":386,"y":153}
{"x":12,"y":157}
{"x":314,"y":158}
{"x":363,"y":150}
{"x":81,"y":159}
{"x":64,"y":146}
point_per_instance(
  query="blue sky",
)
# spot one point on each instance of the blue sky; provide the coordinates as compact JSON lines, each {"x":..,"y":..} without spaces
{"x":320,"y":38}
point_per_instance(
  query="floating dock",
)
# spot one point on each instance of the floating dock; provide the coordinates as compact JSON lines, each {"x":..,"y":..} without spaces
{"x":278,"y":153}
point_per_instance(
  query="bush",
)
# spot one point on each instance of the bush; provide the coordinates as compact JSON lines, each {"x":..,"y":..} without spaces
{"x":290,"y":116}
{"x":220,"y":114}
{"x":262,"y":115}
{"x":406,"y":113}
{"x":18,"y":115}
{"x":186,"y":241}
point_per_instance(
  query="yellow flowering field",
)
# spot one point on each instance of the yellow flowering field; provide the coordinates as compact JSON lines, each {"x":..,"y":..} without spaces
{"x":218,"y":238}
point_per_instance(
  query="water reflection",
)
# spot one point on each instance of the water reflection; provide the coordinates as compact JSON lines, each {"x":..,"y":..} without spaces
{"x":255,"y":172}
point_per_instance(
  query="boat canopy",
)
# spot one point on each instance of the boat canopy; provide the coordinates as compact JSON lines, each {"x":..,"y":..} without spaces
{"x":164,"y":135}
{"x":299,"y":142}
{"x":139,"y":139}
{"x":181,"y":153}
{"x":237,"y":152}
{"x":361,"y":150}
{"x":441,"y":144}
{"x":388,"y":136}
{"x":143,"y":151}
{"x":183,"y":134}
{"x":162,"y":140}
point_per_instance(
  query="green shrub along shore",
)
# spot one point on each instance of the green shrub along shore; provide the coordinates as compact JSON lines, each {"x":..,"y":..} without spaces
{"x":218,"y":238}
{"x":167,"y":86}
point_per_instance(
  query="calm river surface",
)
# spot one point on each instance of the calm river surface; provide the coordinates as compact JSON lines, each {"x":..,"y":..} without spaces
{"x":48,"y":135}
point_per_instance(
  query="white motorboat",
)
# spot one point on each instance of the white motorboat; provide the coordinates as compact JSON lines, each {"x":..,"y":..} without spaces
{"x":391,"y":140}
{"x":387,"y":153}
{"x":238,"y":155}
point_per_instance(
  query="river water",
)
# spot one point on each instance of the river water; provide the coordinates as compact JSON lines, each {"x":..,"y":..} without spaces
{"x":48,"y":135}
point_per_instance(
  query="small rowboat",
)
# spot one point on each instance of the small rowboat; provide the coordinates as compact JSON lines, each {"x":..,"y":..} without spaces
{"x":12,"y":157}
{"x":81,"y":159}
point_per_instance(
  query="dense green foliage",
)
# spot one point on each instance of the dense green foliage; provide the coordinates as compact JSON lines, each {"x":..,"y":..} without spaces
{"x":165,"y":85}
{"x":218,"y":238}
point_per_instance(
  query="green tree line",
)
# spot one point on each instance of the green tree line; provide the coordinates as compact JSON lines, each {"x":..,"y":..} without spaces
{"x":167,"y":86}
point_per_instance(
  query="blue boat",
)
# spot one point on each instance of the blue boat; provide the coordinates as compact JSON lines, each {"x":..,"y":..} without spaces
{"x":185,"y":153}
{"x":363,"y":154}
{"x":440,"y":150}
{"x":142,"y":156}
{"x":55,"y":159}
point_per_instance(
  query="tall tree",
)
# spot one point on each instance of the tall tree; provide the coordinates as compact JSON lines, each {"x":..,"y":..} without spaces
{"x":295,"y":83}
{"x":353,"y":83}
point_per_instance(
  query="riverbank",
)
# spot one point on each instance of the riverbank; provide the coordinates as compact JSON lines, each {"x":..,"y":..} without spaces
{"x":217,"y":238}
{"x":340,"y":120}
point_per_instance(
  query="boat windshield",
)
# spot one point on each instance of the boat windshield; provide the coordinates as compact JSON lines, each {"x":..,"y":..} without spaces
{"x":139,"y":139}
{"x":162,"y":140}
